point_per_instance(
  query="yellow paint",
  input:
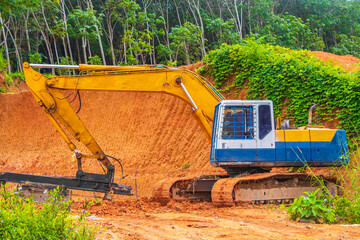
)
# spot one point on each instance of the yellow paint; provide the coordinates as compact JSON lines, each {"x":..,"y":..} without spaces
{"x":305,"y":135}
{"x":279,"y":135}
{"x":322,"y":135}
{"x":147,"y":78}
{"x":297,"y":135}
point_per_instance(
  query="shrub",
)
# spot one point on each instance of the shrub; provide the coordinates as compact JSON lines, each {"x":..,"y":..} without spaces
{"x":64,"y":61}
{"x":35,"y":58}
{"x":312,"y":208}
{"x":341,"y":208}
{"x":185,"y":166}
{"x":3,"y":62}
{"x":24,"y":218}
{"x":95,"y":60}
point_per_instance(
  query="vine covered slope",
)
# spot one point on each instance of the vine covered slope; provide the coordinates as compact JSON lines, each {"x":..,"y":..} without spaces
{"x":293,"y":79}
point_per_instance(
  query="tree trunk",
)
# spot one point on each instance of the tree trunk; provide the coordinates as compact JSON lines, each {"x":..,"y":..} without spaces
{"x":78,"y":51}
{"x":238,"y":19}
{"x":65,"y":47}
{"x":62,"y":4}
{"x":18,"y":58}
{"x":27,"y":31}
{"x":125,"y":53}
{"x":56,"y":51}
{"x":69,"y":45}
{"x":89,"y":47}
{"x":203,"y":51}
{"x":249,"y":17}
{"x":110,"y":35}
{"x":5,"y":43}
{"x":83,"y":45}
{"x":197,"y":8}
{"x":101,"y":46}
{"x":47,"y":43}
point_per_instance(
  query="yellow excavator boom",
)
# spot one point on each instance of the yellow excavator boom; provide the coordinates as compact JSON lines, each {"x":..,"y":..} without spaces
{"x":181,"y":83}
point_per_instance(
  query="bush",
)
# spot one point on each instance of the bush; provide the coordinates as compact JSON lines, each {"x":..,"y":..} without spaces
{"x":312,"y":208}
{"x":24,"y":218}
{"x":3,"y":62}
{"x":64,"y":61}
{"x":322,"y":207}
{"x":95,"y":60}
{"x":35,"y":58}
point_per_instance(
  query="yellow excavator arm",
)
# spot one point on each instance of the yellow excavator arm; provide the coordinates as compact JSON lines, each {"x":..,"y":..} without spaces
{"x":184,"y":84}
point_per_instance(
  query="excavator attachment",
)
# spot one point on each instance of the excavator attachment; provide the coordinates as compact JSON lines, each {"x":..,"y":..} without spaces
{"x":83,"y":181}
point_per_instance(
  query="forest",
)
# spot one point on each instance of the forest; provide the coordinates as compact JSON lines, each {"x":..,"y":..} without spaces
{"x":171,"y":32}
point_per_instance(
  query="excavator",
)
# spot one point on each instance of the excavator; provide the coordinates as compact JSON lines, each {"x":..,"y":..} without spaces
{"x":245,"y":138}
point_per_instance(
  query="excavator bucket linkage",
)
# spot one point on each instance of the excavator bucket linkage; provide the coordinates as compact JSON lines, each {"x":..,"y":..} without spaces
{"x":83,"y":181}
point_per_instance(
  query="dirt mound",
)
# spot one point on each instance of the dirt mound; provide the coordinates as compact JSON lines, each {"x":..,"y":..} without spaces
{"x":157,"y":138}
{"x":348,"y":62}
{"x":192,"y":67}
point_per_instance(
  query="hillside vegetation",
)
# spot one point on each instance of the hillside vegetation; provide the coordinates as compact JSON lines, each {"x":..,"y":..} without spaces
{"x":126,"y":32}
{"x":293,"y":79}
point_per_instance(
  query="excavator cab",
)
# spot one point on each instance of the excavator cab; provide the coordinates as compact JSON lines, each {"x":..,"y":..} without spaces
{"x":244,"y":135}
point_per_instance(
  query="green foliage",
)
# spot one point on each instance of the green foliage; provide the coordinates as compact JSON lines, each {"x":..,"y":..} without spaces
{"x":131,"y":32}
{"x":171,"y":63}
{"x":12,"y":78}
{"x":138,"y":30}
{"x":95,"y":60}
{"x":83,"y":23}
{"x":35,"y":58}
{"x":347,"y":45}
{"x":289,"y":31}
{"x":15,"y":75}
{"x":64,"y":61}
{"x":185,"y":166}
{"x":24,"y":218}
{"x":322,"y":206}
{"x":295,"y":78}
{"x":312,"y":207}
{"x":2,"y":90}
{"x":224,"y":32}
{"x":347,"y":205}
{"x":3,"y":62}
{"x":185,"y":43}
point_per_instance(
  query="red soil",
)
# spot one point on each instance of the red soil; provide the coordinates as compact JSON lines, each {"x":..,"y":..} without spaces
{"x":348,"y":62}
{"x":156,"y":138}
{"x":182,"y":220}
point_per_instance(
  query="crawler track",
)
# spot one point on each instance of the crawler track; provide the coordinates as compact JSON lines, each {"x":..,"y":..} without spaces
{"x":163,"y":190}
{"x":259,"y":188}
{"x":264,"y":188}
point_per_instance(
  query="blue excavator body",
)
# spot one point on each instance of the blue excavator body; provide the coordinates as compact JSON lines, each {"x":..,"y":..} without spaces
{"x":245,"y":135}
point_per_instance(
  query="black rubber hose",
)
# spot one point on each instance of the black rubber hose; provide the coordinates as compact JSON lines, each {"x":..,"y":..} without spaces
{"x":122,"y":169}
{"x":78,"y":93}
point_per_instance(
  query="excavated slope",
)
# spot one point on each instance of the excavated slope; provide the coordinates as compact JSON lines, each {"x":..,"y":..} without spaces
{"x":151,"y":132}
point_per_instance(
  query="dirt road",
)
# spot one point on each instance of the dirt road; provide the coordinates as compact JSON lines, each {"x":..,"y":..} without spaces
{"x":148,"y":220}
